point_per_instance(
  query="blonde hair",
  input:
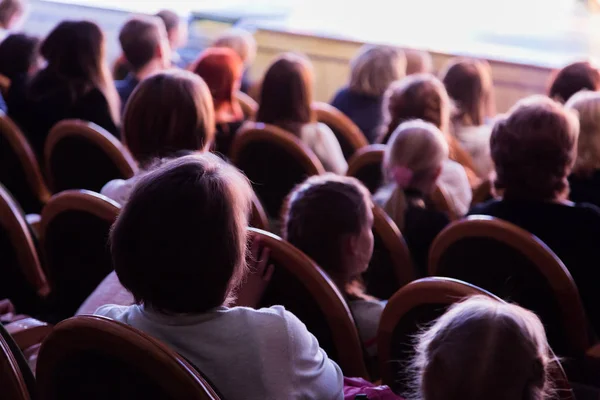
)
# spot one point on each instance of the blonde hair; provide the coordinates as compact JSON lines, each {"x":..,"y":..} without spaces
{"x":587,"y":105}
{"x":417,"y":149}
{"x":239,"y":40}
{"x":374,"y":68}
{"x":483,"y":349}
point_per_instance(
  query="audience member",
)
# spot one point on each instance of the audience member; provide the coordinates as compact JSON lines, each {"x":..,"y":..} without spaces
{"x":243,"y":43}
{"x":75,"y":83}
{"x":169,"y":114}
{"x":177,"y":31}
{"x":423,"y":96}
{"x":418,"y":62}
{"x":285,"y":101}
{"x":584,"y":180}
{"x":573,"y":78}
{"x":534,"y":150}
{"x":412,"y":165}
{"x":469,"y":85}
{"x":179,"y":247}
{"x":11,"y":12}
{"x":330,"y":219}
{"x":222,"y":69}
{"x":147,"y":51}
{"x":483,"y":349}
{"x":19,"y":60}
{"x":372,"y":71}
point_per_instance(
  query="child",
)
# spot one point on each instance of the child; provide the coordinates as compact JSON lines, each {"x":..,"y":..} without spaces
{"x":412,"y":164}
{"x":179,"y":247}
{"x":483,"y":349}
{"x":330,"y":219}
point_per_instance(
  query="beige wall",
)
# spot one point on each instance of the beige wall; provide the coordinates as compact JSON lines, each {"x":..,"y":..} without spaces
{"x":331,"y":62}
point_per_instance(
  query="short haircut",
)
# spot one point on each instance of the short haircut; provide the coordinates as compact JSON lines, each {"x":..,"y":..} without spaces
{"x":587,"y":106}
{"x":140,"y":37}
{"x":573,"y":78}
{"x":320,"y":212}
{"x":169,"y":18}
{"x":534,"y":148}
{"x":179,"y":243}
{"x":239,"y":40}
{"x":418,"y":62}
{"x":483,"y":348}
{"x":374,"y":68}
{"x":168,"y":112}
{"x":9,"y":9}
{"x":18,"y":53}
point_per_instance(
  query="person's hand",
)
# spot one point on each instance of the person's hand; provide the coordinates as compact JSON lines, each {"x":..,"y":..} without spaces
{"x":251,"y":290}
{"x":7,"y":312}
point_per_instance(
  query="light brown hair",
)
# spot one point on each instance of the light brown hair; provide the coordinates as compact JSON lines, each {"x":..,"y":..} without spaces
{"x":571,"y":79}
{"x":179,"y":243}
{"x":240,"y":41}
{"x":286,"y":94}
{"x":168,"y":112}
{"x":374,"y":68}
{"x":10,"y":10}
{"x":534,"y":148}
{"x":587,"y":106}
{"x":140,"y":38}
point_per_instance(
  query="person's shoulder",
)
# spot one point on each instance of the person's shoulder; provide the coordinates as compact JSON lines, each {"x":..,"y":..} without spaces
{"x":340,"y":96}
{"x":116,"y":312}
{"x":484,"y":208}
{"x":275,"y":320}
{"x":119,"y":189}
{"x":367,"y":306}
{"x":587,"y":209}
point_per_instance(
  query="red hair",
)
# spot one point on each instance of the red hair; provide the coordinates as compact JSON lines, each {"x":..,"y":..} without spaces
{"x":221,"y":69}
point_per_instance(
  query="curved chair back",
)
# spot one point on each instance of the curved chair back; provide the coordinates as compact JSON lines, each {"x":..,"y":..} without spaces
{"x":21,"y":276}
{"x":74,"y":233}
{"x":19,"y":169}
{"x":274,"y":160}
{"x":304,"y":289}
{"x":90,"y":357}
{"x":365,"y":166}
{"x":408,"y":311}
{"x":16,"y":379}
{"x":515,"y":265}
{"x":248,"y":105}
{"x":391,"y":265}
{"x":82,"y":155}
{"x":349,"y":135}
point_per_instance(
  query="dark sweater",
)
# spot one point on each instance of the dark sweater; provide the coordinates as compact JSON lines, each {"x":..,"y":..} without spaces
{"x":224,"y":135}
{"x":125,"y":88}
{"x":365,"y":111}
{"x":572,"y":232}
{"x":585,"y":189}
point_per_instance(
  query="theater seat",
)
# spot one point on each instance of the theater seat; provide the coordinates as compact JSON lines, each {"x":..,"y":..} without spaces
{"x":350,"y":137}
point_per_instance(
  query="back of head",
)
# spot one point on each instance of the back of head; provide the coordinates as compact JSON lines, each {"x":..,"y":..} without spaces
{"x":176,"y":31}
{"x":483,"y":349}
{"x":141,"y":38}
{"x":374,"y":68}
{"x":534,"y":148}
{"x":573,"y":78}
{"x":420,"y":96}
{"x":179,"y":243}
{"x":418,"y":62}
{"x":169,"y":18}
{"x":10,"y":12}
{"x":168,"y":112}
{"x":239,"y":40}
{"x":18,"y":55}
{"x":587,"y":106}
{"x":469,"y":85}
{"x":221,"y":69}
{"x":286,"y":93}
{"x":321,"y":212}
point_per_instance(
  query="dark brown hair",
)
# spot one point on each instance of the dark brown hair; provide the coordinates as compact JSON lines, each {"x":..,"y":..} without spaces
{"x":179,"y":243}
{"x":168,"y":112}
{"x":170,"y":19}
{"x":140,"y":38}
{"x":573,"y":78}
{"x":320,"y":212}
{"x":18,"y":53}
{"x":286,"y":94}
{"x":534,"y":148}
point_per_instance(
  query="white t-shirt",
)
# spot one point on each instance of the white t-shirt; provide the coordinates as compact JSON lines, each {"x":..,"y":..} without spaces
{"x":119,"y":190}
{"x":247,"y":354}
{"x":322,"y":141}
{"x":476,"y":141}
{"x":455,"y":183}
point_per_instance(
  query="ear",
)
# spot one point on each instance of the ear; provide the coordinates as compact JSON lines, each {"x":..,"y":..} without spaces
{"x":349,"y":244}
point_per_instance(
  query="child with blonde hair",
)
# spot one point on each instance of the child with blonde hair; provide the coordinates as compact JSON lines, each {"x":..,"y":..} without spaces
{"x":411,"y":166}
{"x":483,"y":349}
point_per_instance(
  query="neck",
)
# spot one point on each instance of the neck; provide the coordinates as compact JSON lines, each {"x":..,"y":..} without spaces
{"x":151,"y":68}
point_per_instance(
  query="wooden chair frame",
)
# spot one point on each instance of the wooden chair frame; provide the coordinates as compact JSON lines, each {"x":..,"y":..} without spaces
{"x":326,"y":294}
{"x":248,"y":105}
{"x":123,"y":342}
{"x":28,"y":332}
{"x":369,"y":155}
{"x":549,"y":265}
{"x":395,"y":244}
{"x":333,"y":117}
{"x":257,"y":131}
{"x":26,"y":155}
{"x":23,"y":242}
{"x":113,"y":148}
{"x":12,"y":382}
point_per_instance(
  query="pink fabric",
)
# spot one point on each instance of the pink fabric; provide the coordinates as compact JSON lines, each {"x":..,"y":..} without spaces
{"x":356,"y":386}
{"x":402,"y":175}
